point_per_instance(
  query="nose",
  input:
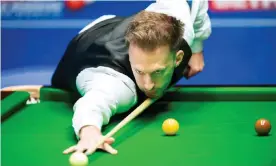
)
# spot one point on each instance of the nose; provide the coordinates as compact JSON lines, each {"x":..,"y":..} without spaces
{"x":149,"y":84}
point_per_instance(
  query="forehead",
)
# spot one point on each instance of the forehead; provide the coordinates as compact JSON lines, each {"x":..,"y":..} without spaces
{"x":141,"y":57}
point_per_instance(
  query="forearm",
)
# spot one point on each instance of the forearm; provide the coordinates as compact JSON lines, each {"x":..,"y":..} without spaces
{"x":105,"y":92}
{"x":87,"y":131}
{"x":202,"y":25}
{"x":178,"y":9}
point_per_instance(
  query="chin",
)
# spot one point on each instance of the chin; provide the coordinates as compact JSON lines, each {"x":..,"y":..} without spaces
{"x":153,"y":96}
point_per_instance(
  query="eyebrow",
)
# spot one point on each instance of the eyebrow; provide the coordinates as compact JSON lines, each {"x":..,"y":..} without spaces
{"x":161,"y":69}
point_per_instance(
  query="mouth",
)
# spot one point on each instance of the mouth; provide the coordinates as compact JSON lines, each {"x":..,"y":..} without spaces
{"x":152,"y":94}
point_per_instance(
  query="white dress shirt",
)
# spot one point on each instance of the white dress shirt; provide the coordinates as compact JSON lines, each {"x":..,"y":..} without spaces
{"x":106,"y":92}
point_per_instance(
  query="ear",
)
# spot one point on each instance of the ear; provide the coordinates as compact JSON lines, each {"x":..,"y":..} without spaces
{"x":178,"y":57}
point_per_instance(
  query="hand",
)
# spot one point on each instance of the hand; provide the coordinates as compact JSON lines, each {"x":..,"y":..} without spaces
{"x":196,"y":64}
{"x":89,"y":137}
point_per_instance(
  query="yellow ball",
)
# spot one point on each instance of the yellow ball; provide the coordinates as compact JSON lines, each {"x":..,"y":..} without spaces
{"x":78,"y":159}
{"x":170,"y":126}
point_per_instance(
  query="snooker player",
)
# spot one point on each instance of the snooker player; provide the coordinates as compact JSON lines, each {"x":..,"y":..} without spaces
{"x":114,"y":63}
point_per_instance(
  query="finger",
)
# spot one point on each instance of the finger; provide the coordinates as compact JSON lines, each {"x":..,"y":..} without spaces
{"x":70,"y":149}
{"x":109,"y":149}
{"x":90,"y":151}
{"x":191,"y":72}
{"x":195,"y":70}
{"x":186,"y":72}
{"x":110,"y":140}
{"x":80,"y":149}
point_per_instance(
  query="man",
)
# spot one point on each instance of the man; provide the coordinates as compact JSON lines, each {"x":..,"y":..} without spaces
{"x":115,"y":63}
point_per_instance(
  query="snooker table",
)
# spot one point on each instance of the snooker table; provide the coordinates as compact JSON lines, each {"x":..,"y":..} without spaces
{"x":216,"y":129}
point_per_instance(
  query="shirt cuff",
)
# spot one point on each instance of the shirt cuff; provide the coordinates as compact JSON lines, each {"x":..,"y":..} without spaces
{"x":91,"y":118}
{"x":197,"y":46}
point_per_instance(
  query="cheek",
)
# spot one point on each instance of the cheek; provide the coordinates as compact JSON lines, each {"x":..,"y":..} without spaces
{"x":138,"y":78}
{"x":164,"y":79}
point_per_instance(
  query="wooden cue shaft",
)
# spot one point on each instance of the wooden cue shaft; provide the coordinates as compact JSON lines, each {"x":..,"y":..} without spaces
{"x":127,"y":119}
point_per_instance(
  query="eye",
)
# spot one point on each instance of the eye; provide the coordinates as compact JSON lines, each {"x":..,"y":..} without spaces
{"x":139,"y":72}
{"x":158,"y":72}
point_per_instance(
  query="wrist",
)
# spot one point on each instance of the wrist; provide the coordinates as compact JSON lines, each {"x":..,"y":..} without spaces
{"x":197,"y":46}
{"x":89,"y":130}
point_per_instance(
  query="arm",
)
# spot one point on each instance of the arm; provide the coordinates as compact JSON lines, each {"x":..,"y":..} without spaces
{"x":196,"y":20}
{"x":178,"y":9}
{"x":197,"y":26}
{"x":201,"y":24}
{"x":105,"y":92}
{"x":202,"y":30}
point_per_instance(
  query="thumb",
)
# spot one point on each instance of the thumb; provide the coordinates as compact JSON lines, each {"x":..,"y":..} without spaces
{"x":109,"y":149}
{"x":186,"y":72}
{"x":104,"y":146}
{"x":110,"y":140}
{"x":191,"y":72}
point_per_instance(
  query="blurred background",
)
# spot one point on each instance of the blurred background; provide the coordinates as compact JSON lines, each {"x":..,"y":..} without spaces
{"x":240,"y":51}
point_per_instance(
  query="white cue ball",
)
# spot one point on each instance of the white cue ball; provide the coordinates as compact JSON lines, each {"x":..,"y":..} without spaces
{"x":78,"y":159}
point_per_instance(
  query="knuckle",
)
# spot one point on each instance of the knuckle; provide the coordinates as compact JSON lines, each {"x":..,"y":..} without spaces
{"x":198,"y":68}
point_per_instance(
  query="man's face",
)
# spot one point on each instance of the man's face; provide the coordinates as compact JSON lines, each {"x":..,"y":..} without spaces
{"x":153,"y":70}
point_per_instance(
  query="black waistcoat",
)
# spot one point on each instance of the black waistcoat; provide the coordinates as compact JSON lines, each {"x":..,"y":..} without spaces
{"x":102,"y":45}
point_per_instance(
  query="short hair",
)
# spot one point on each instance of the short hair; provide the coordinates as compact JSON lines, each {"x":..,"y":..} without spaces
{"x":149,"y":30}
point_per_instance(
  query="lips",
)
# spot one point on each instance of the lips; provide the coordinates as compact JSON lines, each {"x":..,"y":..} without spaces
{"x":151,"y":94}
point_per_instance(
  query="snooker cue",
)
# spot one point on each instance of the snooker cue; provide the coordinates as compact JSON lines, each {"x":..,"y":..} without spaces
{"x":127,"y":119}
{"x":134,"y":114}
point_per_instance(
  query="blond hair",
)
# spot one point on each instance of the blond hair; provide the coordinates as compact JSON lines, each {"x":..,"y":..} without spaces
{"x":149,"y":30}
